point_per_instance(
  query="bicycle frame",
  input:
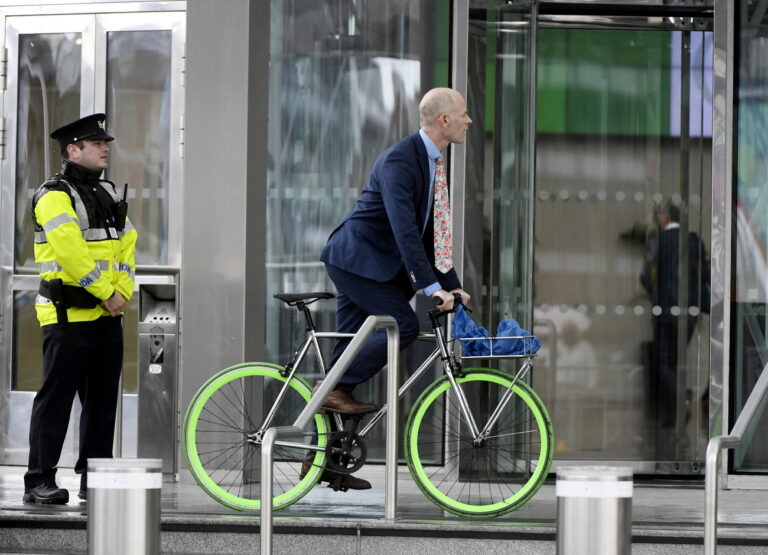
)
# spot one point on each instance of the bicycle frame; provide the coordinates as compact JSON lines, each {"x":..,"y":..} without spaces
{"x":290,"y":370}
{"x":234,"y":414}
{"x":451,"y":368}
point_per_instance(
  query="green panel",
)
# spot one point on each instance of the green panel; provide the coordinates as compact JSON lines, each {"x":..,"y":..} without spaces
{"x":442,"y":41}
{"x":602,"y":81}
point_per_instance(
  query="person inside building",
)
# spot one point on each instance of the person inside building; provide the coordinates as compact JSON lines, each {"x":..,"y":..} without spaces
{"x":395,"y":242}
{"x":668,"y":263}
{"x":85,"y":249}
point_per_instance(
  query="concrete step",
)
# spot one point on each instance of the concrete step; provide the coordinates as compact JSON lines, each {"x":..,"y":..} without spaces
{"x":55,"y":535}
{"x":667,"y":518}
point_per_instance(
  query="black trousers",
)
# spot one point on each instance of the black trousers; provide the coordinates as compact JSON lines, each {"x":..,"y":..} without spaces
{"x":358,"y":298}
{"x":83,"y":358}
{"x":665,"y":337}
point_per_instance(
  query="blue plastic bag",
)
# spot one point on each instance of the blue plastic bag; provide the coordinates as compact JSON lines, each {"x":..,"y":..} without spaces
{"x":464,"y":326}
{"x":525,"y":344}
{"x":519,"y":341}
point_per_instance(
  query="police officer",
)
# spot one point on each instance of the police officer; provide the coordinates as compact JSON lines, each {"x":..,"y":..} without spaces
{"x":85,"y":249}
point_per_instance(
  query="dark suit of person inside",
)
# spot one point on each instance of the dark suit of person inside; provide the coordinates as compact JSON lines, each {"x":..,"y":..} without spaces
{"x":672,"y":276}
{"x":393,"y":243}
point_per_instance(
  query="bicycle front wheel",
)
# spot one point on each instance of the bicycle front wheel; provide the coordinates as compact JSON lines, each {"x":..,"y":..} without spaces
{"x":483,"y":477}
{"x":222,"y":437}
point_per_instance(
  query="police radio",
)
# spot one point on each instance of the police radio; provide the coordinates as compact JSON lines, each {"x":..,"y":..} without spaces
{"x":120,"y":210}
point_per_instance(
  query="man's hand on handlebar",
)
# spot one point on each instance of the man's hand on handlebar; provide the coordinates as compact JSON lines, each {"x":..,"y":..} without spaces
{"x":464,"y":296}
{"x":445,"y":301}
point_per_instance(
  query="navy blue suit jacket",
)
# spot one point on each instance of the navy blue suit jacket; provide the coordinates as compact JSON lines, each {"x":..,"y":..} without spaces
{"x":661,"y":276}
{"x":390,"y":227}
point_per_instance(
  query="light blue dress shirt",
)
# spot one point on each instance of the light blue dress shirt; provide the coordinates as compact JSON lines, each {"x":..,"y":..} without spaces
{"x":433,"y":153}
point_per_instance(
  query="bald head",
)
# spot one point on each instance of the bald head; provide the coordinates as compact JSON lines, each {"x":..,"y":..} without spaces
{"x":435,"y":102}
{"x":444,"y":117}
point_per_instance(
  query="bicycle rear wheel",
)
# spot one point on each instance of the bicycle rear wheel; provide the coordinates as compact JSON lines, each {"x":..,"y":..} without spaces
{"x":479,"y":479}
{"x":223,"y":448}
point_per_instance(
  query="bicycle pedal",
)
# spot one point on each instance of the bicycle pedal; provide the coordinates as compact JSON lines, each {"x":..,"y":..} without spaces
{"x":337,"y":484}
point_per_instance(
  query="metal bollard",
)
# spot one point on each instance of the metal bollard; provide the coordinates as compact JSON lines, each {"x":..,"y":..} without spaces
{"x":594,"y":510}
{"x":124,"y":506}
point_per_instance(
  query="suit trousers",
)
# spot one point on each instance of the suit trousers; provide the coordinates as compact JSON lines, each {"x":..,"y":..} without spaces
{"x":666,"y":344}
{"x":360,"y":297}
{"x":83,"y":358}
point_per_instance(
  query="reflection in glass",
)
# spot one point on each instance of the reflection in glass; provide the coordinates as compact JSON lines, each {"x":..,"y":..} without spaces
{"x":345,"y":82}
{"x":28,"y":345}
{"x":750,"y":227}
{"x":48,"y":97}
{"x":138,"y":116}
{"x":628,"y":384}
{"x":600,"y":175}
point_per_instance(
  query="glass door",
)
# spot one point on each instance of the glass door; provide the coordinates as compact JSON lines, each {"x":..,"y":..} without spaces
{"x":48,"y":84}
{"x":622,"y":189}
{"x":498,"y":225}
{"x":60,"y":68}
{"x":594,"y":181}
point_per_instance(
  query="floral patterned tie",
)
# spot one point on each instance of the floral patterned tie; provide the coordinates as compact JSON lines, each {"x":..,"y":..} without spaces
{"x":442,"y":220}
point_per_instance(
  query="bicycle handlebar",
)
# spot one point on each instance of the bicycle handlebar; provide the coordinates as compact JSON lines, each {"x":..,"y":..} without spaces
{"x":437,"y":301}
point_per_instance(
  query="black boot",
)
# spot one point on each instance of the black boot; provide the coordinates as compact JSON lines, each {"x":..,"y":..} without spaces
{"x":46,"y":494}
{"x":347,"y":480}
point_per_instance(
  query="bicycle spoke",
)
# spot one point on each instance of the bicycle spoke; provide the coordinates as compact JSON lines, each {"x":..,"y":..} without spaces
{"x":245,"y":408}
{"x":477,"y":475}
{"x":225,"y":414}
{"x":225,"y":451}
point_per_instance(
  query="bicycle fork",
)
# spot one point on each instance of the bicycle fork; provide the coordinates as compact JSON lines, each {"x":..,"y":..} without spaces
{"x":450,"y":365}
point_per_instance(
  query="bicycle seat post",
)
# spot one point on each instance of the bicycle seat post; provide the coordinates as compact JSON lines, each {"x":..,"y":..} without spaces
{"x":307,"y":316}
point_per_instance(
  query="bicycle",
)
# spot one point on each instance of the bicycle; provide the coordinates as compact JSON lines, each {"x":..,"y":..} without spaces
{"x":478,"y":441}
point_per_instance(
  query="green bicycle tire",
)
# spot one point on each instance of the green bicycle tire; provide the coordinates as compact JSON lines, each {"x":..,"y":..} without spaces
{"x":450,"y":496}
{"x":192,"y":452}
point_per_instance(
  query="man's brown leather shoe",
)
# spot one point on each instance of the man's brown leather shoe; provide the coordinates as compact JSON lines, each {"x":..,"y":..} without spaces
{"x":347,"y":480}
{"x":343,"y":403}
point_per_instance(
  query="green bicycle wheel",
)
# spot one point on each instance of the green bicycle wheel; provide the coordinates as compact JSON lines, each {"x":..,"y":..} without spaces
{"x":485,"y":478}
{"x":223,"y":449}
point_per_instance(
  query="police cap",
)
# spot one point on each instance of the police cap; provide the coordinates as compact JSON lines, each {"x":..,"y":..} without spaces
{"x":91,"y":128}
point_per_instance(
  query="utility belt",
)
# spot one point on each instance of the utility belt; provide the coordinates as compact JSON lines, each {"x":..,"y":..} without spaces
{"x":66,"y":296}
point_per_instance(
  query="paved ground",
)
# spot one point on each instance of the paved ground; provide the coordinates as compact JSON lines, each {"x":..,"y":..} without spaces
{"x":674,"y":506}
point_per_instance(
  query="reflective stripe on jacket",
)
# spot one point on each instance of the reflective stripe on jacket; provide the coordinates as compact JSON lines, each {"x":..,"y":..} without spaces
{"x":82,"y":250}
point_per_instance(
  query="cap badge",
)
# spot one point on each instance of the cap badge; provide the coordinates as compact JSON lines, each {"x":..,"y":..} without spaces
{"x":101,"y":123}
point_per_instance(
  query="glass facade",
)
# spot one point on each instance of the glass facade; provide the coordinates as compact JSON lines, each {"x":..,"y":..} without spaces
{"x":138,"y":101}
{"x":749,"y":318}
{"x":138,"y":104}
{"x":345,"y":82}
{"x":49,"y":97}
{"x":573,"y":242}
{"x":621,"y":199}
{"x":562,"y":203}
{"x":138,"y":115}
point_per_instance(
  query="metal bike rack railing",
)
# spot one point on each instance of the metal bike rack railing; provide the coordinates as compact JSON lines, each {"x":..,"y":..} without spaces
{"x":717,"y":444}
{"x":305,"y":418}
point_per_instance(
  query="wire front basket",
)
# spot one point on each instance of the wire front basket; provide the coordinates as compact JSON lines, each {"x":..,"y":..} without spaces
{"x":497,"y":347}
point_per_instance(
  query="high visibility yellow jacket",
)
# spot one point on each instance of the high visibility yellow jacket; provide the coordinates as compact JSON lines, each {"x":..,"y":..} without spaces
{"x":76,"y":241}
